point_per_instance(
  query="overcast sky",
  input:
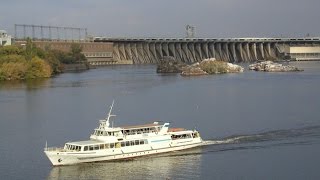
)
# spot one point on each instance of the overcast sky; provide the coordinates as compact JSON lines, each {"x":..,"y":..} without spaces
{"x":167,"y":18}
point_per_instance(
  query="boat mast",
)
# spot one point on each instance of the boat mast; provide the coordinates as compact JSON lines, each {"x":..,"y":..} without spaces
{"x":110,"y":115}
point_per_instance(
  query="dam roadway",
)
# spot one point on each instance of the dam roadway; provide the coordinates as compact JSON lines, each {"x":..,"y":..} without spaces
{"x":189,"y":50}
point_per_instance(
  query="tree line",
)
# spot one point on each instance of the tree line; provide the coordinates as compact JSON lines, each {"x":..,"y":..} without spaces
{"x":29,"y":61}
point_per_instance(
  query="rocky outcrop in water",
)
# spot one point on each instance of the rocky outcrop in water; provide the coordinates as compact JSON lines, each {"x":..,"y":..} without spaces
{"x":170,"y":65}
{"x":211,"y":66}
{"x":207,"y":66}
{"x":269,"y":66}
{"x":233,"y":68}
{"x":193,"y":70}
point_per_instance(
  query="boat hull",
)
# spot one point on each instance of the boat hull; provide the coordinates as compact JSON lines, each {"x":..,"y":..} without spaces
{"x":69,"y":158}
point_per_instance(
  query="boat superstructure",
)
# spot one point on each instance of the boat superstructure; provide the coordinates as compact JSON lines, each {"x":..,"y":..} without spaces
{"x":112,"y":143}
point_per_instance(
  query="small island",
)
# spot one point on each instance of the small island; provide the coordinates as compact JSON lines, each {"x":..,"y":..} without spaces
{"x":205,"y":67}
{"x":269,"y":66}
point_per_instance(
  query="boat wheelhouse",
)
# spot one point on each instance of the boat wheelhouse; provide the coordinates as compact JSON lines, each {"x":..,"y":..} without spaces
{"x":112,"y":143}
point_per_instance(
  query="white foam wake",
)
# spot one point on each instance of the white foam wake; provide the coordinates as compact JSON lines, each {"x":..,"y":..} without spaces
{"x":228,"y":140}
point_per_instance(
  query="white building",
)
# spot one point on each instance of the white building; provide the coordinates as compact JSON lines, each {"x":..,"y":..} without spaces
{"x":305,"y":53}
{"x":5,"y":39}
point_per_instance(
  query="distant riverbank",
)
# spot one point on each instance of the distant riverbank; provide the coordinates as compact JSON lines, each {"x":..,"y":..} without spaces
{"x":30,"y":62}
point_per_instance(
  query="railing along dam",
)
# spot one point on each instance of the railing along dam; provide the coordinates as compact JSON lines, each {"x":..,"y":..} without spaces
{"x":151,"y":50}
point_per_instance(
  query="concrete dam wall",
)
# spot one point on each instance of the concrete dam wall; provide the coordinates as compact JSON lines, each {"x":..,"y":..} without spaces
{"x":151,"y":50}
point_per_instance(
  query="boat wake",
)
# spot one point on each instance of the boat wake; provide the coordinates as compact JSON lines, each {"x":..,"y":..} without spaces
{"x":285,"y":137}
{"x":300,"y":135}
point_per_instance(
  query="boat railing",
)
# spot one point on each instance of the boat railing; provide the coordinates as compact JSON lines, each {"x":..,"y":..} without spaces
{"x":54,"y":149}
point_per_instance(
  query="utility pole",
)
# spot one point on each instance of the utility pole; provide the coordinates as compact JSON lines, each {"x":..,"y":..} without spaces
{"x":15,"y":31}
{"x":24,"y":31}
{"x":41,"y":31}
{"x":33,"y":32}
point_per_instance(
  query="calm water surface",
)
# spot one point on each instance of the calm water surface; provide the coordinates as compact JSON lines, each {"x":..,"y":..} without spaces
{"x":260,"y":125}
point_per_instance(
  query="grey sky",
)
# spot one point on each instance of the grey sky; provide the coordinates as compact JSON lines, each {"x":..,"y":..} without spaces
{"x":167,"y":18}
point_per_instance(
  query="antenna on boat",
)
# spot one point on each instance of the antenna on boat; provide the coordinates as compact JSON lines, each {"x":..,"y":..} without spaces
{"x":110,"y":115}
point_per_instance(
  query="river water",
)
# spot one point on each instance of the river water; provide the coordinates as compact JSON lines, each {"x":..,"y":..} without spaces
{"x":258,"y":125}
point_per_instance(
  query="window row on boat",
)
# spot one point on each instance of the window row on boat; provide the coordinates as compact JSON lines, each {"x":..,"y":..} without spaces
{"x":95,"y":147}
{"x":72,"y":147}
{"x":105,"y":133}
{"x":101,"y":146}
{"x":184,"y":136}
{"x":134,"y":142}
{"x":141,"y":130}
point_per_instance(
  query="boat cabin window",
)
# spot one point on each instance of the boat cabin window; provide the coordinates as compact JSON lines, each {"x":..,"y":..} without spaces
{"x":127,"y":143}
{"x":101,"y":146}
{"x":195,"y":135}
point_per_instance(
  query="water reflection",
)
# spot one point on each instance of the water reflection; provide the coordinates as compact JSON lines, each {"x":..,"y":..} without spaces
{"x":25,"y":84}
{"x":174,"y":165}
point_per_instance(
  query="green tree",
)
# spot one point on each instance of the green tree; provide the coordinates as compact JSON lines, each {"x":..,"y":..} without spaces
{"x":12,"y":58}
{"x":53,"y":61}
{"x":11,"y":50}
{"x":13,"y":70}
{"x":76,"y":53}
{"x":38,"y":68}
{"x":39,"y":52}
{"x":29,"y":49}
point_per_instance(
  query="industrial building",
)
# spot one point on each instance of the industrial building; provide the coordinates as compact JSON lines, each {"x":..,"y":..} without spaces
{"x":5,"y":39}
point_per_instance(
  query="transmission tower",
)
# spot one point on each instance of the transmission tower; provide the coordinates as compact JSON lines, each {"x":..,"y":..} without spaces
{"x":190,"y":31}
{"x":39,"y":32}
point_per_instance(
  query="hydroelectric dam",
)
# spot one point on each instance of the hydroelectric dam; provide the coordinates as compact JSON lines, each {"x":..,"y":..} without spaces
{"x":111,"y":50}
{"x":189,"y":50}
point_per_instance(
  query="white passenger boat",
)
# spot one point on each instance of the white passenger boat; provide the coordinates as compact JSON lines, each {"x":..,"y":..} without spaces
{"x":113,"y":143}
